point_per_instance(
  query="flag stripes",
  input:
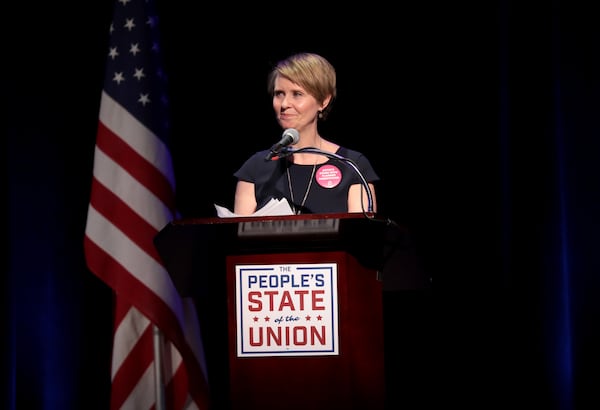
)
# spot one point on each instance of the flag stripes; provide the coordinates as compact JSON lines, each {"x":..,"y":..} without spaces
{"x":132,"y":198}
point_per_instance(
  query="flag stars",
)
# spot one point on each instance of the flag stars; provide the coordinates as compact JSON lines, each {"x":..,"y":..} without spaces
{"x":144,"y":99}
{"x":134,"y":49}
{"x":152,"y":21}
{"x":118,"y":78}
{"x":113,"y":53}
{"x":129,"y":24}
{"x":164,"y":99}
{"x":161,"y":74}
{"x":139,"y":73}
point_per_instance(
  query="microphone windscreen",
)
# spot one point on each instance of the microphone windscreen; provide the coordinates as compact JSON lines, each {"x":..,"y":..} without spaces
{"x":294,"y":134}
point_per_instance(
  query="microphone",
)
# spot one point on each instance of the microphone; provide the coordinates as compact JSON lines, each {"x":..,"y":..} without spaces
{"x":290,"y":137}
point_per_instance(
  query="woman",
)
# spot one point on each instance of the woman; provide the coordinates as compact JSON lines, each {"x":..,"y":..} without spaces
{"x":303,"y":88}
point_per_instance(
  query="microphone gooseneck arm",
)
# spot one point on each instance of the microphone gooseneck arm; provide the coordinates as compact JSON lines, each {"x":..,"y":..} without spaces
{"x":286,"y":151}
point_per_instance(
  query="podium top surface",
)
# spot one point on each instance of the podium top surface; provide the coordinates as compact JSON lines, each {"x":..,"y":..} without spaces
{"x":363,"y":235}
{"x":301,"y":217}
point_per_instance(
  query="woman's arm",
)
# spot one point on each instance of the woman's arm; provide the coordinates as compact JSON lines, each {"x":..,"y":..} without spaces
{"x":355,"y":193}
{"x":245,"y":199}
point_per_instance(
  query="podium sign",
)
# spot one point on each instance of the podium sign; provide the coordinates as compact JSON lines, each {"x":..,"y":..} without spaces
{"x":286,"y":310}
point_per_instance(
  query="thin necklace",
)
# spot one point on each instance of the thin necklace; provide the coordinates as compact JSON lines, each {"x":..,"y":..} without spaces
{"x":312,"y":175}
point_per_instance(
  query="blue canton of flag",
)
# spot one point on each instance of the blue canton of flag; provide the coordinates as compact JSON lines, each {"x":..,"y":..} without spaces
{"x":135,"y":76}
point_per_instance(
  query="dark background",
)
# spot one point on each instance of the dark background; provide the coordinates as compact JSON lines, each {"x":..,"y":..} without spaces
{"x":481,"y":119}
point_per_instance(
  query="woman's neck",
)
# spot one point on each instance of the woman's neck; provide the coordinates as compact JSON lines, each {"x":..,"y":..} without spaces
{"x":309,"y":138}
{"x":309,"y":158}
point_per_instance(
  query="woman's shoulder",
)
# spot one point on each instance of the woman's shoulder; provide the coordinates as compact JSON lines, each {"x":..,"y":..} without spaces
{"x":259,"y":158}
{"x":260,"y":155}
{"x":255,"y":164}
{"x":349,"y":153}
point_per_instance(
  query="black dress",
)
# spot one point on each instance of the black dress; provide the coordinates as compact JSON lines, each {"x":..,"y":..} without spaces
{"x":321,"y":188}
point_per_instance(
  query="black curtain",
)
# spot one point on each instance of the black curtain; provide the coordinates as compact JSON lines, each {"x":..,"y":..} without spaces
{"x":481,"y":119}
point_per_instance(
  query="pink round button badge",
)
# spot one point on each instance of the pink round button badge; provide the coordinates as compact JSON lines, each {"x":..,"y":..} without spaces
{"x":329,"y":176}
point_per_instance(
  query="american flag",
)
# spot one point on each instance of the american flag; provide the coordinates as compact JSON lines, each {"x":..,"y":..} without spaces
{"x":157,"y":356}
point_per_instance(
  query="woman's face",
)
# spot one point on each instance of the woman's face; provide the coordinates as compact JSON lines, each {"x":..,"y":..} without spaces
{"x":293,"y":105}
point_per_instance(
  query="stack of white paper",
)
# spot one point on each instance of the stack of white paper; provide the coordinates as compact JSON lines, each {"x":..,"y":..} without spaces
{"x":274,"y":207}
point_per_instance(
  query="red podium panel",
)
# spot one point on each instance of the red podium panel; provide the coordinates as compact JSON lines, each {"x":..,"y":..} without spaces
{"x":351,"y":379}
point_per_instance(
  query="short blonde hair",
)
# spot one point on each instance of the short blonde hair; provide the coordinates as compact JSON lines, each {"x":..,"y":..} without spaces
{"x":312,"y":72}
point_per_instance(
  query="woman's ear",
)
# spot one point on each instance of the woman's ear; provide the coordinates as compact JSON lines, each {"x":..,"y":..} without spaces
{"x":325,"y":102}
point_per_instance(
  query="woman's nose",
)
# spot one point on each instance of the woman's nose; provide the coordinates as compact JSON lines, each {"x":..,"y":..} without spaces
{"x":284,"y":101}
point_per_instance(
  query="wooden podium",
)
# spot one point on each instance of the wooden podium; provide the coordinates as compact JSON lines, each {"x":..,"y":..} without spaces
{"x":290,"y":307}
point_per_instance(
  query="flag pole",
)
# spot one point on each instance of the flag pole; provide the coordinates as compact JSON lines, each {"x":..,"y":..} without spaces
{"x":158,"y":369}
